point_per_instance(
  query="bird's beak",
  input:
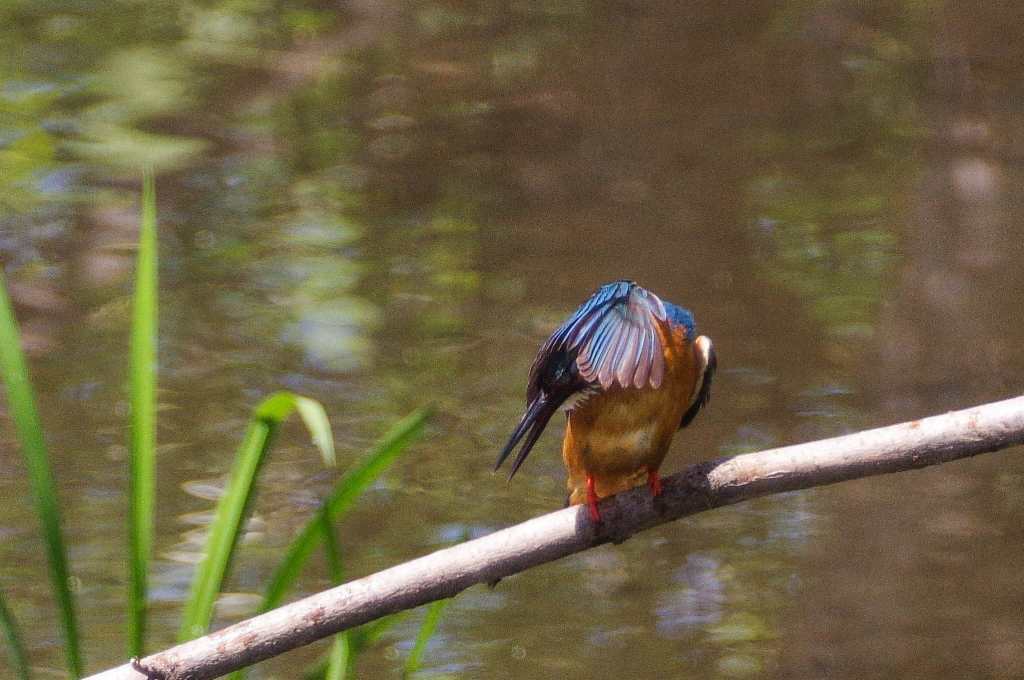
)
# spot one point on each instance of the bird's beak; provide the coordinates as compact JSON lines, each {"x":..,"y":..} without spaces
{"x":538,"y":413}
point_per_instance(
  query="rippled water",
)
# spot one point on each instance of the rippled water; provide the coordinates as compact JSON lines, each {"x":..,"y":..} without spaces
{"x":392,"y":204}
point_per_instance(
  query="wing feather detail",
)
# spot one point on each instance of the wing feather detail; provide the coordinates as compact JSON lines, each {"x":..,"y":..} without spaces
{"x":643,"y":353}
{"x":657,"y":361}
{"x":615,"y":338}
{"x":627,"y":370}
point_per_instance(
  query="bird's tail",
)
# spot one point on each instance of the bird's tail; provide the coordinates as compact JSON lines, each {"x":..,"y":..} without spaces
{"x":538,"y":413}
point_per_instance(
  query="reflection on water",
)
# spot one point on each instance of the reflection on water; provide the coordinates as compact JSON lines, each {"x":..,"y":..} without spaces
{"x":394,"y":203}
{"x":698,"y":602}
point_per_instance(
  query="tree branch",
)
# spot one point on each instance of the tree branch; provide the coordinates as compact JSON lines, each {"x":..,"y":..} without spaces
{"x":700,"y":487}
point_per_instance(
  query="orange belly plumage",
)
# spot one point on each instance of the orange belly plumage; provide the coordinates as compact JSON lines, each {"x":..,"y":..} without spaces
{"x":618,"y":436}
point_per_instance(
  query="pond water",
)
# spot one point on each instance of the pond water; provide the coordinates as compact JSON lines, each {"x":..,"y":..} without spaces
{"x":383,"y":205}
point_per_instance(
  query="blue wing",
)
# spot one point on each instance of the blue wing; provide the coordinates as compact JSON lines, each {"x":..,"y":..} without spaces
{"x":613,"y":337}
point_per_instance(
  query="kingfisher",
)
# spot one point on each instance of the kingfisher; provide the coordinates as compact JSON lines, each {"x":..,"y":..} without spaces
{"x":630,"y":370}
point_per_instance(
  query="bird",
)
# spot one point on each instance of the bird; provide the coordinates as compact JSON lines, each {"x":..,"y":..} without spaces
{"x":629,"y":370}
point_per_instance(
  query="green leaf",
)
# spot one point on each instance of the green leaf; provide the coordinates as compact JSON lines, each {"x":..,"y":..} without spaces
{"x":341,"y":499}
{"x":427,"y":630}
{"x":315,"y":417}
{"x":370,"y":633}
{"x":277,"y":407}
{"x":233,"y":505}
{"x":142,"y":401}
{"x":359,"y":639}
{"x":340,"y":658}
{"x":16,"y":657}
{"x":22,"y":408}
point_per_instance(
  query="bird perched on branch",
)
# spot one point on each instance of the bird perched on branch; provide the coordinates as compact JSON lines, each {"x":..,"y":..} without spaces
{"x":630,"y":370}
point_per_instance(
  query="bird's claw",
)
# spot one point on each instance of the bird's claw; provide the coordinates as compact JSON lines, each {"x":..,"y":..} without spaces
{"x":653,"y":482}
{"x":595,"y":514}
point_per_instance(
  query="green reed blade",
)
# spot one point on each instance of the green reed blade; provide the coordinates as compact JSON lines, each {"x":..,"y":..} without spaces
{"x":359,"y":639}
{"x":231,"y":509}
{"x":427,"y":630}
{"x":340,"y":657}
{"x":22,"y":408}
{"x":370,"y":633}
{"x":16,"y":657}
{"x":315,"y":417}
{"x":345,"y":493}
{"x":142,"y":401}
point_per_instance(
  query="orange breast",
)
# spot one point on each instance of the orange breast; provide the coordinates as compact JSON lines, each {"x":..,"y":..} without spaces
{"x":616,"y":435}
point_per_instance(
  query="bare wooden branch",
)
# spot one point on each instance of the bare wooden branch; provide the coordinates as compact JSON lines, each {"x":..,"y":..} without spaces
{"x":701,"y":487}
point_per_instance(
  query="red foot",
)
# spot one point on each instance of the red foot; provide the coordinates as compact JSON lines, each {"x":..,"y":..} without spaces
{"x":653,"y":482}
{"x":595,"y":514}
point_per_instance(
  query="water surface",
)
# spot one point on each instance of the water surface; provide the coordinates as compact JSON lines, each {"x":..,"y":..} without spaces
{"x":391,"y":204}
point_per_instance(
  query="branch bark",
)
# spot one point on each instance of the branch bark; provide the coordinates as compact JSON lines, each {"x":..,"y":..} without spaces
{"x":713,"y":484}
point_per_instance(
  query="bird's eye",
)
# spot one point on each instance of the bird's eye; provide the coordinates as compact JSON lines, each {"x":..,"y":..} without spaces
{"x":559,"y":371}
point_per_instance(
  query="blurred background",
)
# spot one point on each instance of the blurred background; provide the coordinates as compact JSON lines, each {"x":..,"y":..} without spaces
{"x":387,"y":204}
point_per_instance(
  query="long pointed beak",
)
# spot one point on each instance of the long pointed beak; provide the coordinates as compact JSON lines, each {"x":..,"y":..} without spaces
{"x":536,"y":418}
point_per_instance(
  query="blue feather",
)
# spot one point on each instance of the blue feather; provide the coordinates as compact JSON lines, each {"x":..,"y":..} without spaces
{"x":682,"y":317}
